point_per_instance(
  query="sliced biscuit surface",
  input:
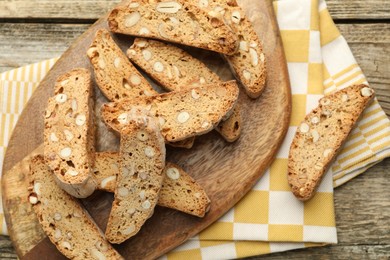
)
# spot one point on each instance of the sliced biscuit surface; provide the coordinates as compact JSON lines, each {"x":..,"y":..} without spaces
{"x":249,"y":63}
{"x":172,"y":67}
{"x":181,"y":114}
{"x":230,"y":129}
{"x":174,"y":21}
{"x":180,"y":71}
{"x":142,"y":160}
{"x":67,"y":224}
{"x":179,"y":190}
{"x":116,"y":77}
{"x":321,"y":135}
{"x":69,"y":133}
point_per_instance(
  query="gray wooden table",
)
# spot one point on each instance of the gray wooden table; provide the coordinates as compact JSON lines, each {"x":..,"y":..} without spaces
{"x":34,"y":30}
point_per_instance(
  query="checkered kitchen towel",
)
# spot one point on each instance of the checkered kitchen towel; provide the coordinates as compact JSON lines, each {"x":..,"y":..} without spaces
{"x":268,"y":219}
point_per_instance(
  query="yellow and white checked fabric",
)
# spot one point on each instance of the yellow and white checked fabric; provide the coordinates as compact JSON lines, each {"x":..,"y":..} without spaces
{"x":268,"y":219}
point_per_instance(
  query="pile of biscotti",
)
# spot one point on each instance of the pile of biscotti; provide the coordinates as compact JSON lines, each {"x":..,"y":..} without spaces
{"x":196,"y":101}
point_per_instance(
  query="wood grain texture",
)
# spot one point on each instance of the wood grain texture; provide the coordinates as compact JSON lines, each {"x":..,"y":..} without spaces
{"x":72,"y":9}
{"x":55,"y":9}
{"x":359,"y":9}
{"x":209,"y":161}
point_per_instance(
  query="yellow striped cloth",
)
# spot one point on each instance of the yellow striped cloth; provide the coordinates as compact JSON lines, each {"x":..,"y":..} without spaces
{"x":268,"y":219}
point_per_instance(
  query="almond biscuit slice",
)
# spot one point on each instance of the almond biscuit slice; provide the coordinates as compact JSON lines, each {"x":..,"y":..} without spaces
{"x":180,"y":71}
{"x":181,"y":114}
{"x":67,"y":224}
{"x":174,"y":21}
{"x":116,"y":77}
{"x":69,"y":133}
{"x":142,"y":160}
{"x":230,"y":129}
{"x":179,"y":190}
{"x":173,"y":68}
{"x":249,"y":63}
{"x":321,"y":136}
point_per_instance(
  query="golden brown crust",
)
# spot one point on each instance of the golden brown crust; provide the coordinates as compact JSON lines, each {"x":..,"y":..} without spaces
{"x":69,"y":140}
{"x":116,"y":77}
{"x":178,"y":191}
{"x":321,"y":136}
{"x":230,"y":129}
{"x":178,"y":112}
{"x":174,"y":21}
{"x":142,"y":160}
{"x":179,"y":70}
{"x":249,"y":63}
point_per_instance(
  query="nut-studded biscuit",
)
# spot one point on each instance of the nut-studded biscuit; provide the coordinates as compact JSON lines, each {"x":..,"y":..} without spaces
{"x":249,"y":63}
{"x":142,"y":160}
{"x":69,"y":133}
{"x":174,"y":21}
{"x":173,"y":68}
{"x":179,"y":190}
{"x":181,"y":114}
{"x":179,"y":71}
{"x":230,"y":129}
{"x":116,"y":77}
{"x":67,"y":224}
{"x":321,"y":135}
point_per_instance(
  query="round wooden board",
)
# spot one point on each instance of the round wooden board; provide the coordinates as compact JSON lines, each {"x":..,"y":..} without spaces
{"x":227,"y":171}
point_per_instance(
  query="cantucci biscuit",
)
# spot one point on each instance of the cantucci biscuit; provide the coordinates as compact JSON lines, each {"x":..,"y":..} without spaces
{"x":230,"y":129}
{"x":180,"y":71}
{"x":321,"y":135}
{"x":69,"y":137}
{"x":249,"y":63}
{"x":179,"y":190}
{"x":173,"y":68}
{"x":69,"y":227}
{"x":142,"y":160}
{"x":116,"y":77}
{"x":173,"y":21}
{"x":181,"y":114}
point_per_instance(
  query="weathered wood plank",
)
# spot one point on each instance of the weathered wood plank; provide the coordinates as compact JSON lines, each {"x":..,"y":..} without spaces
{"x":22,"y":44}
{"x":6,"y":249}
{"x":370,"y":44}
{"x":339,"y":252}
{"x":55,"y":9}
{"x":359,"y":9}
{"x":65,"y":9}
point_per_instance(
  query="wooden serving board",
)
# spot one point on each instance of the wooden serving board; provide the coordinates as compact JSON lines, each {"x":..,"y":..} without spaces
{"x":227,"y":171}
